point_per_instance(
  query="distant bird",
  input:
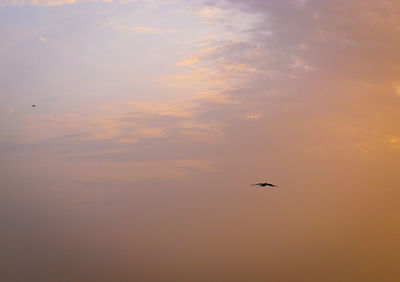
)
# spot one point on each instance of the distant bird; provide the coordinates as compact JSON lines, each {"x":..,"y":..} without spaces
{"x":264,"y":184}
{"x":33,"y":106}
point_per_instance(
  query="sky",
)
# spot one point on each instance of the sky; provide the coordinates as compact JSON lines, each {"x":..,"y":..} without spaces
{"x":153,"y":118}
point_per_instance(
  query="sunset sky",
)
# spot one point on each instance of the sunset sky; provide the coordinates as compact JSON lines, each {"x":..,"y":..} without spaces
{"x":154,"y":117}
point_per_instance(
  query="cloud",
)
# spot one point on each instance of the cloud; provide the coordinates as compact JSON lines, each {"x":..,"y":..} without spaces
{"x":175,"y":109}
{"x":397,"y":88}
{"x":148,"y":30}
{"x":214,"y":97}
{"x":213,"y":15}
{"x":149,"y":133}
{"x":323,"y":57}
{"x":188,"y":61}
{"x":315,"y":69}
{"x":53,"y":3}
{"x":38,"y":2}
{"x":46,"y":2}
{"x":299,"y":64}
{"x":253,"y":116}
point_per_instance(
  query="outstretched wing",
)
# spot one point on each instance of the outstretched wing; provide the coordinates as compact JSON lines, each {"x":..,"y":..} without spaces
{"x":263,"y":184}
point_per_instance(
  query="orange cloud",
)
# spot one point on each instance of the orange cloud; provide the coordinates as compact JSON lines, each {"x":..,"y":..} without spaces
{"x":188,"y":61}
{"x":177,"y":109}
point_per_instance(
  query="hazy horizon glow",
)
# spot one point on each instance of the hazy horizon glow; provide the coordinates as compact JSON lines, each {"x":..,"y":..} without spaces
{"x":152,"y":119}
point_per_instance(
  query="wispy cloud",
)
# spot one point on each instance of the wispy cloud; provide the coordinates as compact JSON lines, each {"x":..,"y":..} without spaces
{"x":148,"y":30}
{"x":46,"y":2}
{"x":37,"y":2}
{"x":148,"y":133}
{"x":213,"y":15}
{"x":253,"y":116}
{"x":188,"y":61}
{"x":174,"y":109}
{"x":214,"y":97}
{"x":259,"y":77}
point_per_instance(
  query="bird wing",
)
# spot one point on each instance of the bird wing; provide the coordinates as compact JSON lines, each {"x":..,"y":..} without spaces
{"x":265,"y":184}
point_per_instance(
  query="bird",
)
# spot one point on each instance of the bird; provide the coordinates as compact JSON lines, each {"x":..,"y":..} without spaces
{"x":265,"y":184}
{"x":33,"y":106}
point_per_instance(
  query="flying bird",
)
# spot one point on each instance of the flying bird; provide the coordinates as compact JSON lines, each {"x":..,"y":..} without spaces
{"x":265,"y":184}
{"x":33,"y":106}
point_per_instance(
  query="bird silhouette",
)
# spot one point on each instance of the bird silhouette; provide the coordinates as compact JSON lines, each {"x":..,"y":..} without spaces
{"x":33,"y":106}
{"x":265,"y":184}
